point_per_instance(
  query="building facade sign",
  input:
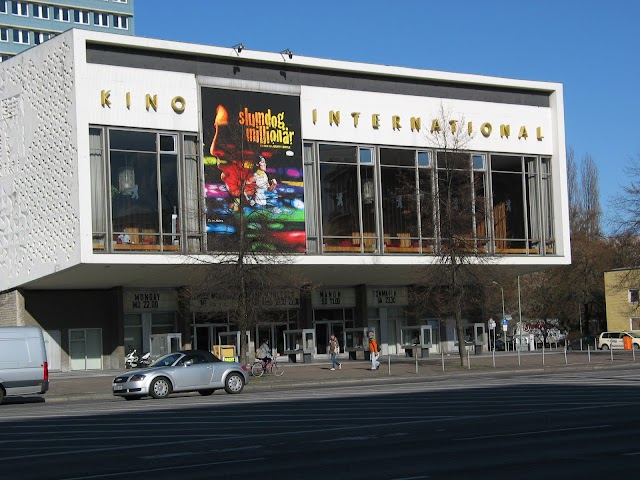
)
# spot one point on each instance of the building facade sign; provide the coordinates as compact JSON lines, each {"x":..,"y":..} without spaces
{"x":281,"y":299}
{"x":387,"y":297}
{"x":149,"y":300}
{"x":333,"y":297}
{"x":391,"y":119}
{"x":130,"y":97}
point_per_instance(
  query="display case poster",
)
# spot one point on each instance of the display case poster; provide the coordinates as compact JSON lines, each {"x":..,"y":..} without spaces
{"x":253,"y":168}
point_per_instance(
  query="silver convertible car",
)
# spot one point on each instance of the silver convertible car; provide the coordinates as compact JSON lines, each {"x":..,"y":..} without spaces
{"x":185,"y":371}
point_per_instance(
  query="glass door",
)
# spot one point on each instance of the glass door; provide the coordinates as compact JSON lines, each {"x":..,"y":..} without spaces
{"x":207,"y":335}
{"x":85,"y":349}
{"x":329,"y":322}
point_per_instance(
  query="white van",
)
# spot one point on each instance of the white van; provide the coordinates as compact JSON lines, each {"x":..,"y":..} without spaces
{"x":23,"y":361}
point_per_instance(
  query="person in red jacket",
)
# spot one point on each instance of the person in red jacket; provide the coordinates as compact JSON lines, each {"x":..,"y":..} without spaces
{"x":374,"y":351}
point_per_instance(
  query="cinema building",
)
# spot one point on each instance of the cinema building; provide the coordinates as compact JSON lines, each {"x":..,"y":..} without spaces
{"x":118,"y":160}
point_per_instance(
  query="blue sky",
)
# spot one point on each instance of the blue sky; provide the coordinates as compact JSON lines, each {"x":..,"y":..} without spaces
{"x":589,"y":46}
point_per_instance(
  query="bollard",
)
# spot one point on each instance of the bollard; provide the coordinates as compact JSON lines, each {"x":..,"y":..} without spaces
{"x":611,"y":350}
{"x":415,"y":354}
{"x":389,"y":357}
{"x":493,"y":355}
{"x":565,"y":355}
{"x":589,"y":352}
{"x":468,"y":360}
{"x":543,"y":353}
{"x":633,"y":350}
{"x":442,"y":354}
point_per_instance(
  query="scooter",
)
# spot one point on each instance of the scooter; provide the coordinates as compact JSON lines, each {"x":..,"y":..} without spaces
{"x":145,"y":360}
{"x":131,"y":359}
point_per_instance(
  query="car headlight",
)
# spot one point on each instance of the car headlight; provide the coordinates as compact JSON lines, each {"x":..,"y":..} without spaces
{"x":137,"y":378}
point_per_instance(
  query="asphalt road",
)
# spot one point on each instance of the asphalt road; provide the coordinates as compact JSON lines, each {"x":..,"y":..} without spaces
{"x":551,"y":425}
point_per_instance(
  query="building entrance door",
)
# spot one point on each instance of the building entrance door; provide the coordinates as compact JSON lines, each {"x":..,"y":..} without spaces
{"x":207,"y":335}
{"x":85,"y":349}
{"x":329,"y":322}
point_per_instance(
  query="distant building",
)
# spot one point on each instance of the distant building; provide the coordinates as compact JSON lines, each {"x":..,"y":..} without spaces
{"x":622,"y":296}
{"x":25,"y":24}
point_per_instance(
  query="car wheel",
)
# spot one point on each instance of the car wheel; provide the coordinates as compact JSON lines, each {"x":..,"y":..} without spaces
{"x":605,"y":347}
{"x":234,"y":383}
{"x":206,"y":392}
{"x":132,"y":397}
{"x":160,"y":388}
{"x":636,"y":346}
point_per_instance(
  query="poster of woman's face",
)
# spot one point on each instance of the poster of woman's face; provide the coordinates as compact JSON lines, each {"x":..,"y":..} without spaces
{"x":253,"y":166}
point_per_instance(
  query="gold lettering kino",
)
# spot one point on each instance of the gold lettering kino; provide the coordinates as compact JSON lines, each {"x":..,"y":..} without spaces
{"x":486,"y":129}
{"x":178,"y":103}
{"x":151,"y":101}
{"x":104,"y":98}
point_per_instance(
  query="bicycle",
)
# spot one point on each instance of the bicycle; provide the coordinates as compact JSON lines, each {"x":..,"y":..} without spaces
{"x":258,"y":368}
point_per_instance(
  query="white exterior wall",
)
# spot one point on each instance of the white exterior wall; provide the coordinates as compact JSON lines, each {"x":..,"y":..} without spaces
{"x":50,"y":96}
{"x":118,"y":81}
{"x":39,"y":203}
{"x":386,"y":106}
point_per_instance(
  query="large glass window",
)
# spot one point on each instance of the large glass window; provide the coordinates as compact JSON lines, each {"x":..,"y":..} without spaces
{"x":509,"y":216}
{"x":400,"y":196}
{"x":461,"y":201}
{"x":348,"y":200}
{"x":139,"y":207}
{"x":428,"y":201}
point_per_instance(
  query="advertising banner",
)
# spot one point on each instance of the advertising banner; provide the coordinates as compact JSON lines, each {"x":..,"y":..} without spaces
{"x":253,"y":169}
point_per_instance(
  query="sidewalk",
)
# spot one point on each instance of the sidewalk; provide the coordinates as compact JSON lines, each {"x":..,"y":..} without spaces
{"x":96,"y":384}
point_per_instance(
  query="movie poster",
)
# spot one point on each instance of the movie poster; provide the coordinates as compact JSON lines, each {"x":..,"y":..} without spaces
{"x":253,"y":167}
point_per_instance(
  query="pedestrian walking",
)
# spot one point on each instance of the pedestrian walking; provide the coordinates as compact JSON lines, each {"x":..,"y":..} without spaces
{"x":334,"y":349}
{"x":374,"y":351}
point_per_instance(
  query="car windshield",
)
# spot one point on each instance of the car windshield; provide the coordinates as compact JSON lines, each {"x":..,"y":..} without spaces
{"x":166,"y":360}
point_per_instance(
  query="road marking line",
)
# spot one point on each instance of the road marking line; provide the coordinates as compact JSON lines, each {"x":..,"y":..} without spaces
{"x":590,"y":427}
{"x":119,"y":474}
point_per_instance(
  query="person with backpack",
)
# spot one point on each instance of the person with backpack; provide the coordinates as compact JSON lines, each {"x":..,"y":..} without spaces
{"x":334,"y":349}
{"x":374,"y":351}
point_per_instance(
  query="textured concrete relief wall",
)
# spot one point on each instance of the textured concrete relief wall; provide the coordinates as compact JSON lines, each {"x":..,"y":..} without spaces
{"x":38,"y":178}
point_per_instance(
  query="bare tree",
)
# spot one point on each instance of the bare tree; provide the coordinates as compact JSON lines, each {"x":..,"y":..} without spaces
{"x":590,"y":191}
{"x":626,"y":205}
{"x":450,"y":287}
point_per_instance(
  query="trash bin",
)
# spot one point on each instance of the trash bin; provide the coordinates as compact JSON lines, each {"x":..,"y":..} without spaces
{"x":627,"y":342}
{"x":478,"y":349}
{"x":306,"y":358}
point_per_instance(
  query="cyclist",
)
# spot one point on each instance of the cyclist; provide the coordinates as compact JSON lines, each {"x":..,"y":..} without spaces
{"x":264,"y":353}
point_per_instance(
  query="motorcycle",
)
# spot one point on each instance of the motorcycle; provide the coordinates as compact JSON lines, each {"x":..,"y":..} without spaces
{"x":145,"y":360}
{"x":133,"y":361}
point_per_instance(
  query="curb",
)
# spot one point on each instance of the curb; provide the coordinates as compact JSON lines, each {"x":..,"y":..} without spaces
{"x":428,"y":376}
